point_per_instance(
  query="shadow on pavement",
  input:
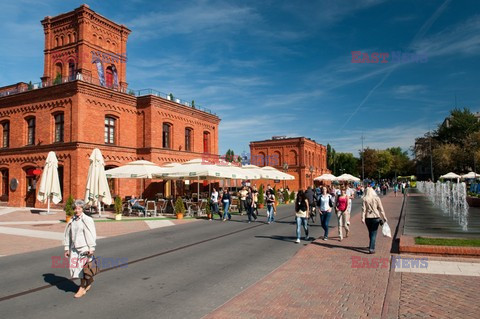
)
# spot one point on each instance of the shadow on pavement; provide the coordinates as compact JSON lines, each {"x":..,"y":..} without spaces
{"x":357,"y":249}
{"x":282,"y":238}
{"x":61,"y":283}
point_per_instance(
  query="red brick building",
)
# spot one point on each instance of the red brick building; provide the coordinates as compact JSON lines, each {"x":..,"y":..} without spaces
{"x":82,"y":103}
{"x":304,"y":158}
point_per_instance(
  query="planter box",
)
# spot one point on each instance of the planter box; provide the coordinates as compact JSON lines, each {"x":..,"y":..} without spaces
{"x":473,"y":201}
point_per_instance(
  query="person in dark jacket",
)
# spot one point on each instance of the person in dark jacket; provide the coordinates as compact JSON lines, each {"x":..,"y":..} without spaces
{"x":226,"y":200}
{"x":310,"y":196}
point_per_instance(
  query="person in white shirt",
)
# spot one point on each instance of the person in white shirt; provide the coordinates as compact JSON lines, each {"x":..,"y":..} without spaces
{"x":326,"y":206}
{"x":79,"y":244}
{"x":214,"y":203}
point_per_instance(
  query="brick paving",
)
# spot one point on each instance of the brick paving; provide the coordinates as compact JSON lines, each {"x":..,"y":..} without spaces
{"x":320,"y":282}
{"x":439,"y":296}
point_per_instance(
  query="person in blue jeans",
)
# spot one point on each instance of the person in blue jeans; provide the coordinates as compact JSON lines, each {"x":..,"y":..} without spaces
{"x":372,"y":215}
{"x":226,"y":199}
{"x":270,"y":205}
{"x":326,"y":205}
{"x":301,"y":214}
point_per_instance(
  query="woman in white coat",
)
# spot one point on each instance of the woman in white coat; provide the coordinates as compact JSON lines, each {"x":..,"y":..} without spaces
{"x":79,"y":243}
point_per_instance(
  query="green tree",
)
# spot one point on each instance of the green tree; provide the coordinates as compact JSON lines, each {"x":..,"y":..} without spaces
{"x":347,"y":163}
{"x":384,"y":163}
{"x":330,"y":157}
{"x":370,"y":162}
{"x":230,"y":156}
{"x":69,"y":206}
{"x":457,"y":127}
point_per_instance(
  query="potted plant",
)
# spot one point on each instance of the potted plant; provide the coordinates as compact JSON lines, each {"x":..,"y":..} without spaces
{"x":261,"y":199}
{"x":58,"y":79}
{"x":292,"y":196}
{"x":118,"y":208}
{"x":179,"y":208}
{"x":286,"y":196}
{"x":69,"y":209}
{"x":208,"y":210}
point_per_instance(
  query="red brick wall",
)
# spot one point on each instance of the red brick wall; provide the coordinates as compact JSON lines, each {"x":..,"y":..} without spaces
{"x":299,"y":153}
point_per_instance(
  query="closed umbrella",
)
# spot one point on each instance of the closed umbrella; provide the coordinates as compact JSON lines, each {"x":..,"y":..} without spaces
{"x":97,"y":189}
{"x":50,"y":183}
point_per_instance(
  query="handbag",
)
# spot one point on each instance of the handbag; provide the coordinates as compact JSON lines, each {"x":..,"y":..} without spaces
{"x":90,"y":269}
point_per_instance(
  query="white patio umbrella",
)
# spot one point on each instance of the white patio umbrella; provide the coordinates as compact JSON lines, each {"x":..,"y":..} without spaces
{"x":50,"y":183}
{"x":450,"y":176}
{"x":326,"y":177}
{"x":253,"y":170}
{"x":97,"y":189}
{"x":347,"y":178}
{"x":471,"y":175}
{"x":136,"y":169}
{"x":269,"y":172}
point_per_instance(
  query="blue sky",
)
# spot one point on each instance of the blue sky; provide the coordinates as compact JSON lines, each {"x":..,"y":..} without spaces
{"x":284,"y":67}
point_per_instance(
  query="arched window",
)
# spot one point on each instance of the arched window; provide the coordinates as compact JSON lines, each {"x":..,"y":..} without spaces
{"x":74,"y":37}
{"x":292,"y":158}
{"x":30,"y":131}
{"x":6,"y":134}
{"x":4,"y":190}
{"x":188,"y":139}
{"x":59,"y":127}
{"x":58,"y":73}
{"x":275,"y":159}
{"x":259,"y":159}
{"x":71,"y":70}
{"x":69,"y":38}
{"x":61,"y":40}
{"x":56,"y":42}
{"x":206,"y":142}
{"x":110,"y":130}
{"x":167,"y":135}
{"x":109,"y":77}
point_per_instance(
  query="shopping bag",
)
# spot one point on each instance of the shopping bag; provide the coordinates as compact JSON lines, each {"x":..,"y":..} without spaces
{"x":386,"y":230}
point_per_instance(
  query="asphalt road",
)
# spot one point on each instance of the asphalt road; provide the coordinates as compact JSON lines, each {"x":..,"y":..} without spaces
{"x":183,"y":271}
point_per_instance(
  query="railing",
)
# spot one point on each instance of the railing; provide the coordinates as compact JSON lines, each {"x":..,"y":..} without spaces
{"x":23,"y":87}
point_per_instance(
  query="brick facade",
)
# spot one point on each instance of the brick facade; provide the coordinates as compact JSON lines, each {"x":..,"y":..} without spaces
{"x":299,"y":153}
{"x":85,"y":106}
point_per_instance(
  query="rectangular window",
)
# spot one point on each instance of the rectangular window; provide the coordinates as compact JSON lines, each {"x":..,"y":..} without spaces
{"x":31,"y":131}
{"x":109,"y":130}
{"x":6,"y":134}
{"x":188,"y":139}
{"x":59,"y":126}
{"x":206,"y":142}
{"x":166,"y":135}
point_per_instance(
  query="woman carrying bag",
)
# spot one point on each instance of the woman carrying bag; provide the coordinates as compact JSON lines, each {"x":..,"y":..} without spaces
{"x":342,"y":206}
{"x":301,"y":214}
{"x":372,"y":215}
{"x":79,"y":243}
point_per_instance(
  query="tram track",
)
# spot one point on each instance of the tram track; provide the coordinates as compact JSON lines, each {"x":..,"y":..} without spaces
{"x":169,"y":251}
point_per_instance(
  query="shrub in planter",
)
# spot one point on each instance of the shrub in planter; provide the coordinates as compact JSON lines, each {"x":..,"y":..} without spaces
{"x":292,"y":196}
{"x":179,"y":208}
{"x":286,"y":196}
{"x":261,"y":198}
{"x":68,"y":208}
{"x":118,"y":208}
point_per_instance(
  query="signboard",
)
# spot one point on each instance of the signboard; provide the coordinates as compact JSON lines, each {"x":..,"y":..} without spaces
{"x":276,"y":181}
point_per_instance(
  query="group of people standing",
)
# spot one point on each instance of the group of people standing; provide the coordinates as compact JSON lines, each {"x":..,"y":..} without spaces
{"x":326,"y":201}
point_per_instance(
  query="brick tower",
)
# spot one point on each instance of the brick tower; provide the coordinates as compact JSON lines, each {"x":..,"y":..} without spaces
{"x":83,"y":44}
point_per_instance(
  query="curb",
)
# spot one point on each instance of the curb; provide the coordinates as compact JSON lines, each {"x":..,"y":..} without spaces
{"x":407,"y":245}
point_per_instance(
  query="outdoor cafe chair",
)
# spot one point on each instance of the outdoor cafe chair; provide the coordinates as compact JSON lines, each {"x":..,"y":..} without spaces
{"x":161,"y":206}
{"x":150,"y":208}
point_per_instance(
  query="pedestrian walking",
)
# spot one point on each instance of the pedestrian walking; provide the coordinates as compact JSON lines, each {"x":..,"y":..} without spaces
{"x":301,"y":214}
{"x":326,"y":206}
{"x":214,"y":204}
{"x":243,"y":196}
{"x":373,"y":215}
{"x":351,"y":195}
{"x":250,"y":209}
{"x":79,"y":245}
{"x":310,"y":196}
{"x":395,"y":189}
{"x":342,"y":206}
{"x":226,"y":200}
{"x":255,"y":200}
{"x":271,"y":209}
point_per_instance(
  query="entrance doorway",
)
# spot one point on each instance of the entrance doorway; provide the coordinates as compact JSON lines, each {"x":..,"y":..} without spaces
{"x":31,"y":184}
